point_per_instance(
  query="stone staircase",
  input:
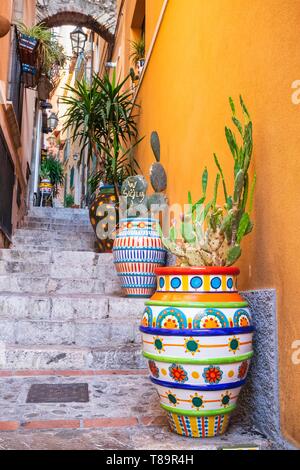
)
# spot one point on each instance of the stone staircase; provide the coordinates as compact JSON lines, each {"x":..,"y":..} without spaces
{"x":62,"y":318}
{"x":60,"y":302}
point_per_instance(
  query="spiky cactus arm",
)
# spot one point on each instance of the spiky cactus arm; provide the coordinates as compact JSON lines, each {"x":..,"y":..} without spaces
{"x":210,"y":234}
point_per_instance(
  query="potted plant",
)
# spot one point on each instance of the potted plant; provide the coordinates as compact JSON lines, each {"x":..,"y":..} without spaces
{"x":52,"y":175}
{"x":138,"y":54}
{"x":69,"y":200}
{"x":197,"y":329}
{"x":39,"y":51}
{"x":102,"y":117}
{"x":138,"y":248}
{"x":45,"y":184}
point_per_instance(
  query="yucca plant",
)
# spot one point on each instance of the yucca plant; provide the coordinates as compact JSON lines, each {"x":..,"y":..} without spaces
{"x":211,"y":234}
{"x":103,"y":120}
{"x":137,"y":50}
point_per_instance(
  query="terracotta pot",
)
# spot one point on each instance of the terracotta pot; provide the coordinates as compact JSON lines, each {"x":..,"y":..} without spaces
{"x":197,"y":337}
{"x":138,"y":251}
{"x":103,"y":210}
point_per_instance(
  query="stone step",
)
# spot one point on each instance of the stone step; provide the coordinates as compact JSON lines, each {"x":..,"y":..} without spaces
{"x":61,"y":257}
{"x":30,"y":236}
{"x":57,"y":212}
{"x":57,"y":221}
{"x":71,"y":307}
{"x":123,"y":408}
{"x":85,"y":321}
{"x":26,"y":357}
{"x":59,"y":270}
{"x":89,"y":334}
{"x":54,"y":227}
{"x":15,"y":284}
{"x":54,"y":244}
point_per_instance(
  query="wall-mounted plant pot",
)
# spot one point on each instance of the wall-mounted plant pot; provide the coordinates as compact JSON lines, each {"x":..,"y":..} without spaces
{"x":197,"y":336}
{"x":28,"y":49}
{"x":138,"y":251}
{"x":103,"y":216}
{"x":44,"y":88}
{"x":29,"y":76}
{"x":141,"y":65}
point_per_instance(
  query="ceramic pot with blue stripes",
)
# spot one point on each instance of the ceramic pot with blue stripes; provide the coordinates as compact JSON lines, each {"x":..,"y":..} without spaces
{"x":197,"y":337}
{"x":138,"y":251}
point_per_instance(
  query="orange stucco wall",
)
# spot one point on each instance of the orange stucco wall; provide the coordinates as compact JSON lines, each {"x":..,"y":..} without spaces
{"x":22,"y":155}
{"x":6,"y":12}
{"x":205,"y":52}
{"x":128,"y":31}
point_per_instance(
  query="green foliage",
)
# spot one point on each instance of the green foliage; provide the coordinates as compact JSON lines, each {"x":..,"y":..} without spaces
{"x":102,"y":118}
{"x":211,"y":234}
{"x":53,"y":169}
{"x":51,"y":51}
{"x":137,"y":50}
{"x":69,"y":200}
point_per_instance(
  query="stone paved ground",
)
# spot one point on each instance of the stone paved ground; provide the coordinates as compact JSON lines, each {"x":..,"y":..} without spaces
{"x":123,"y":413}
{"x":130,"y":438}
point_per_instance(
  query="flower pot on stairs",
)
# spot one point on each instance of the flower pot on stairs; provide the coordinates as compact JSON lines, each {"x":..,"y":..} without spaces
{"x":138,"y":251}
{"x":103,"y":217}
{"x":197,"y":337}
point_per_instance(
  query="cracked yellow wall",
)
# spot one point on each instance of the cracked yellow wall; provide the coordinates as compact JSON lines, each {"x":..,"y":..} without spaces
{"x":205,"y":52}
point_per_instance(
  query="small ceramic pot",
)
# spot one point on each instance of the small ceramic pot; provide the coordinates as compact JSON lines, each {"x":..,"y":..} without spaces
{"x":197,"y":337}
{"x":103,"y":217}
{"x":138,"y":251}
{"x":45,"y":186}
{"x":141,"y":65}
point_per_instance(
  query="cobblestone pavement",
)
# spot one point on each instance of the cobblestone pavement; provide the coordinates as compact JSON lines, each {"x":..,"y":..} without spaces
{"x":122,"y":413}
{"x":131,"y":438}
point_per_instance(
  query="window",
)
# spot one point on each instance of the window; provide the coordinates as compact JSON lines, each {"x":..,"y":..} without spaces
{"x":72,"y":178}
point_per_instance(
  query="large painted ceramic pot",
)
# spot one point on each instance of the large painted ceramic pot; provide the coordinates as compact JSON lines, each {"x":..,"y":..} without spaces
{"x":138,"y":251}
{"x":102,"y":208}
{"x":197,"y":337}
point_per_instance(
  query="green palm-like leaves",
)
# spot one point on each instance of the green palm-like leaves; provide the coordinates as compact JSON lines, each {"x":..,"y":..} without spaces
{"x":103,"y":119}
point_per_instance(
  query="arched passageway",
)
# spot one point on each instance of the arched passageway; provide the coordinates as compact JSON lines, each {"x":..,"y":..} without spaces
{"x":96,"y":15}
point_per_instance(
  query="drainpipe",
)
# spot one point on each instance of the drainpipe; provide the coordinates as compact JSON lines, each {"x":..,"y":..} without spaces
{"x":37,"y":156}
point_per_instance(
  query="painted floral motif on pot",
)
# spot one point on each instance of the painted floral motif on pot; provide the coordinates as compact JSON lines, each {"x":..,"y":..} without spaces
{"x":196,"y":317}
{"x":197,"y":336}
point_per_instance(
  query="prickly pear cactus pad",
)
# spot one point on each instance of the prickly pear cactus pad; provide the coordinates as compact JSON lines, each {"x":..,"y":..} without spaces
{"x":210,"y":233}
{"x":134,"y":189}
{"x":155,"y":145}
{"x":157,"y":202}
{"x":158,"y":178}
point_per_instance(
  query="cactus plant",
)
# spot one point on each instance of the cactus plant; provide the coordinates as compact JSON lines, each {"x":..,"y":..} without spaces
{"x":155,"y":145}
{"x":158,"y":178}
{"x":210,"y":234}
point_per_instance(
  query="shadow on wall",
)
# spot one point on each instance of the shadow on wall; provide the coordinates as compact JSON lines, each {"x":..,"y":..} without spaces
{"x":259,"y":403}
